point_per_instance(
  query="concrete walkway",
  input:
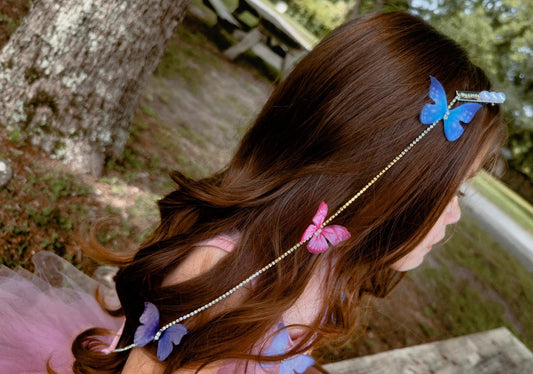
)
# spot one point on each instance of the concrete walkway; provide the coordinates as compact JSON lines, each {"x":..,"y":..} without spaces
{"x":490,"y":352}
{"x":512,"y":236}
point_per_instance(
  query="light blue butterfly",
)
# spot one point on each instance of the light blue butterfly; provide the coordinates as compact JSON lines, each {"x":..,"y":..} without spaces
{"x":435,"y":112}
{"x":280,"y":345}
{"x":149,"y":327}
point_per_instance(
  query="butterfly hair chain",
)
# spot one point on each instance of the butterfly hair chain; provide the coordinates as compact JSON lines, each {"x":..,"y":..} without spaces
{"x":297,"y":245}
{"x":431,"y":115}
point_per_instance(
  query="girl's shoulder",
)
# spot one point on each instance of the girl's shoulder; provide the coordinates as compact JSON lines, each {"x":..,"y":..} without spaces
{"x":203,"y":257}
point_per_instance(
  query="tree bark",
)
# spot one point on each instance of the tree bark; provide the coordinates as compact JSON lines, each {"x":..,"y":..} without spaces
{"x":71,"y":74}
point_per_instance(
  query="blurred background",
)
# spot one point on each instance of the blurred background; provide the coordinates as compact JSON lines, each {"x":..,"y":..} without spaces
{"x":187,"y":108}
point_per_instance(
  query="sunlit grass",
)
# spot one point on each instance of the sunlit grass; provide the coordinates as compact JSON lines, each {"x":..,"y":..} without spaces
{"x":506,"y":199}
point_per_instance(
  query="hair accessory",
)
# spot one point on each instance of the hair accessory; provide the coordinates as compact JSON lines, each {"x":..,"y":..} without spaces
{"x":323,"y":237}
{"x":432,"y":113}
{"x":171,"y":333}
{"x":149,"y":331}
{"x":482,"y":97}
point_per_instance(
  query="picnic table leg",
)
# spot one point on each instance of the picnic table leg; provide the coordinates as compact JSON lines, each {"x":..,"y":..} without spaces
{"x":252,"y":38}
{"x":290,"y":59}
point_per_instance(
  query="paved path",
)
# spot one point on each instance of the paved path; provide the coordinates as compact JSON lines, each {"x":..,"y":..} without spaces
{"x":513,"y":237}
{"x":490,"y":352}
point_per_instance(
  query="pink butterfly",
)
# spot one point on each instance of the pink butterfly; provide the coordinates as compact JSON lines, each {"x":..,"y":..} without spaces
{"x":328,"y":235}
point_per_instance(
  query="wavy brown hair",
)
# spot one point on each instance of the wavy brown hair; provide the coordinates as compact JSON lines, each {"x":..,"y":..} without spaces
{"x":345,"y":111}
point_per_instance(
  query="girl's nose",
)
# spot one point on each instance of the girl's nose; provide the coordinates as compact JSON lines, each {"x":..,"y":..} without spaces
{"x":453,"y":211}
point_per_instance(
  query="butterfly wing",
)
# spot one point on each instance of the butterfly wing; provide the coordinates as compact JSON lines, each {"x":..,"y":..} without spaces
{"x":149,"y":325}
{"x":169,"y":338}
{"x":311,"y":229}
{"x":464,"y":113}
{"x":434,"y":112}
{"x":318,"y":244}
{"x":336,"y":234}
{"x":298,"y":363}
{"x":321,"y":214}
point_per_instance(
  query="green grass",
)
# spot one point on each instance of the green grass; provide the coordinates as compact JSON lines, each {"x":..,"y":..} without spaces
{"x":479,"y":286}
{"x":59,"y":184}
{"x":506,"y":199}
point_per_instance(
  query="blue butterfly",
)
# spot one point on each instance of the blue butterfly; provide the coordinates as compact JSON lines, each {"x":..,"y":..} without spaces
{"x":280,"y":345}
{"x":149,"y":327}
{"x":435,"y":112}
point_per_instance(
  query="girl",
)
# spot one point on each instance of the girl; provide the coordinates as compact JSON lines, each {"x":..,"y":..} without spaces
{"x":247,"y":271}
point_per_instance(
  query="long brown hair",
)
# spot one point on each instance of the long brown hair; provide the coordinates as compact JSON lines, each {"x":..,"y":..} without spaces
{"x":345,"y":111}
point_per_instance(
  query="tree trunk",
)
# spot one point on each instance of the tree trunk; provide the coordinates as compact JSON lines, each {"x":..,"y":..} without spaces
{"x":71,"y":74}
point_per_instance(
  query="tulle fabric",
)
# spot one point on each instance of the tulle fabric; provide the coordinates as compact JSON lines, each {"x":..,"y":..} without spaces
{"x":42,"y":312}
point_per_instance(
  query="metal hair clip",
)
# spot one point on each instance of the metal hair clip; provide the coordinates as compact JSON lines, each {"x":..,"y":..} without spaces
{"x":481,"y":97}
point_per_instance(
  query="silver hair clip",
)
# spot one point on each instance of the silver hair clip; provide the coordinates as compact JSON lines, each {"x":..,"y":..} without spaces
{"x":481,"y":97}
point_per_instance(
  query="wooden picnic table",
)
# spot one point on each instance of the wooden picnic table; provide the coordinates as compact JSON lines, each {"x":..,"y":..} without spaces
{"x":273,"y":38}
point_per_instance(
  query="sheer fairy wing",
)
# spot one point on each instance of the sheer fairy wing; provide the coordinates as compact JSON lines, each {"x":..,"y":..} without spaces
{"x":280,"y":345}
{"x":335,"y":234}
{"x":280,"y":342}
{"x":298,"y":364}
{"x":318,"y":244}
{"x":464,"y":113}
{"x":434,"y":112}
{"x":149,"y":325}
{"x":170,"y":337}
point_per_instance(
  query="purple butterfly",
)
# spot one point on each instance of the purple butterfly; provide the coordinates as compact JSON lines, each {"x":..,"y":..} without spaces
{"x":280,"y":345}
{"x":435,"y":112}
{"x":333,"y":234}
{"x":149,"y":327}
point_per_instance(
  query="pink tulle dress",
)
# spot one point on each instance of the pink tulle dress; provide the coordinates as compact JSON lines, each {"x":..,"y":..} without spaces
{"x":42,"y":312}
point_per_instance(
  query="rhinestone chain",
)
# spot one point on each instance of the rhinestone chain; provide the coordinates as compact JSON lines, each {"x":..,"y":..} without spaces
{"x":296,"y":246}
